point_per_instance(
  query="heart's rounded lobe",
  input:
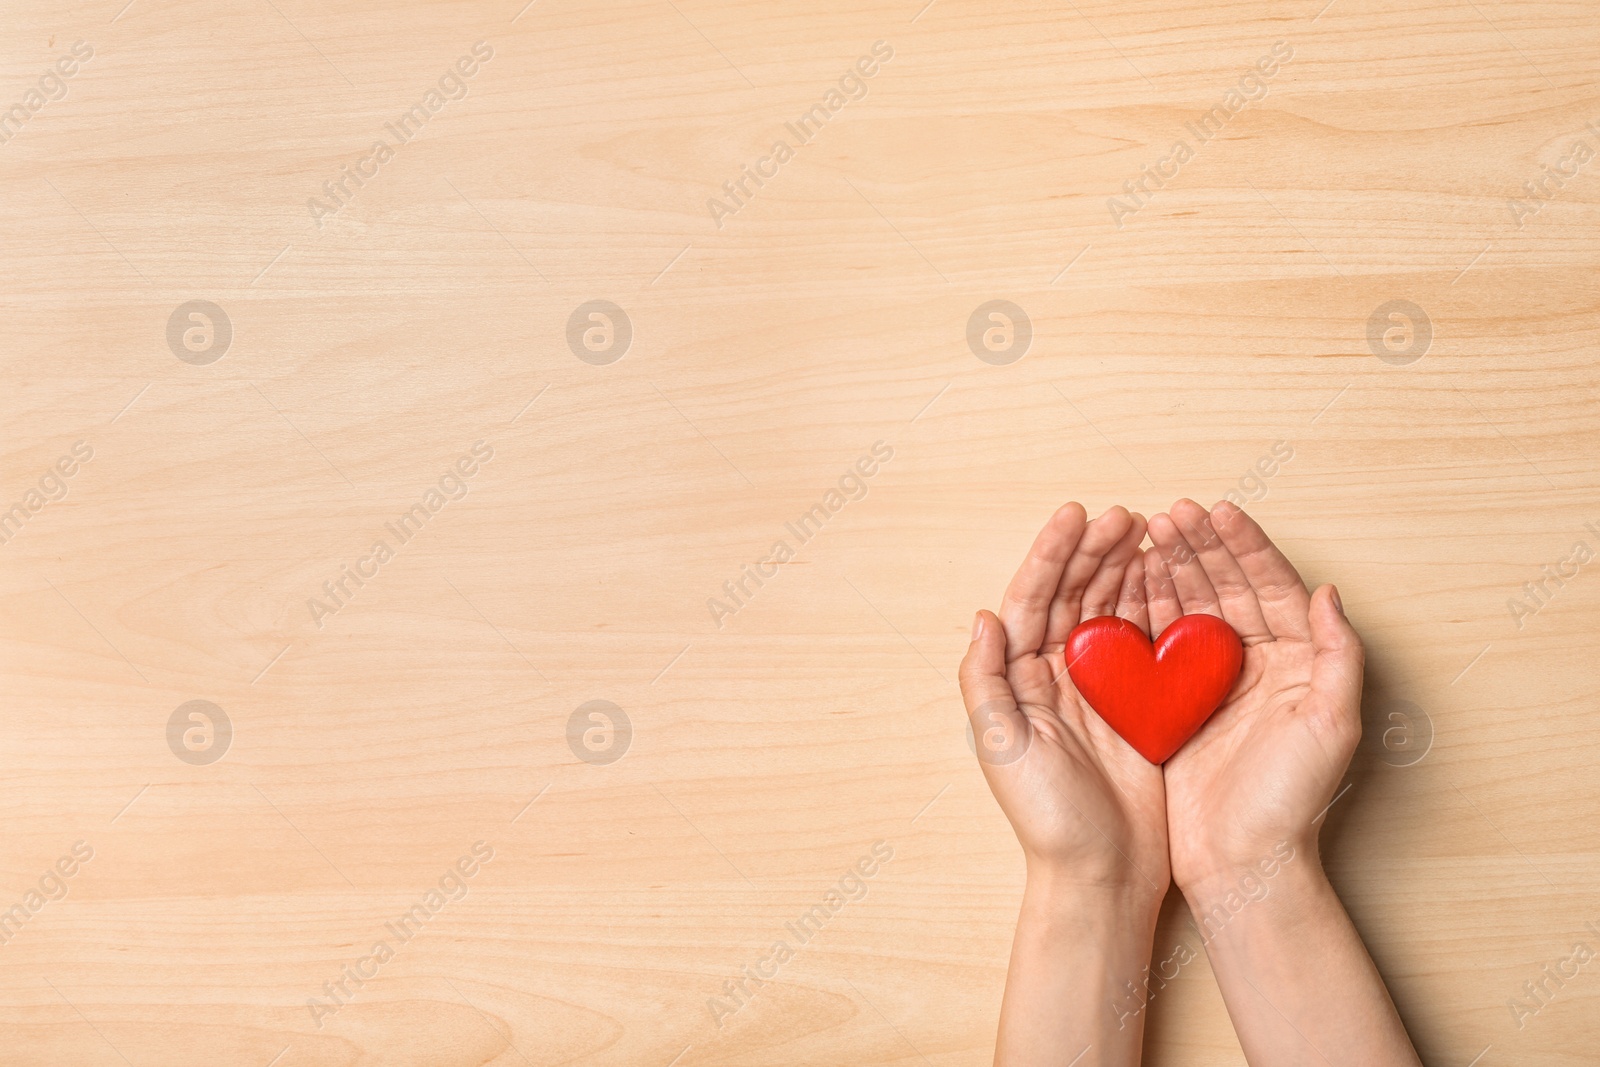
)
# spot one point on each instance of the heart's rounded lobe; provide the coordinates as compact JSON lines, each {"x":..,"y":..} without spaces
{"x":1154,"y":696}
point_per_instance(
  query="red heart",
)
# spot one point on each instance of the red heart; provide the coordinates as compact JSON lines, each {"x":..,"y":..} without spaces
{"x":1155,"y":696}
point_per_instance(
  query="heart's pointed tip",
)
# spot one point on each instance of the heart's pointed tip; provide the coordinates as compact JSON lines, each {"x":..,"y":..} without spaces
{"x":1161,"y":755}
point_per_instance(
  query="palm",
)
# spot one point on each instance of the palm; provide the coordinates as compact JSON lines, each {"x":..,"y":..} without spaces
{"x":1263,"y":768}
{"x":1246,"y":771}
{"x":1091,"y":787}
{"x":1078,"y":797}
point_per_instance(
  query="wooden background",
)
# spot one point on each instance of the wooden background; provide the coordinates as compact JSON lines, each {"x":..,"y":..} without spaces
{"x":372,"y":747}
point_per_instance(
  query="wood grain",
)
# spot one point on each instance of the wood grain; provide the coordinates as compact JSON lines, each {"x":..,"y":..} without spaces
{"x":767,"y":747}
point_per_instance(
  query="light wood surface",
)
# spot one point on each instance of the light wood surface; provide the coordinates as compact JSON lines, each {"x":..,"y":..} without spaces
{"x":372,"y":746}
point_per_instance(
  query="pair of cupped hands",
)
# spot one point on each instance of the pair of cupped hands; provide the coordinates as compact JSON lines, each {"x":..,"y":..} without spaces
{"x":1260,"y":772}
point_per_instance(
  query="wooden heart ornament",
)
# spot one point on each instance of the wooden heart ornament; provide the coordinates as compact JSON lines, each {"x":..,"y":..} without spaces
{"x":1154,"y":696}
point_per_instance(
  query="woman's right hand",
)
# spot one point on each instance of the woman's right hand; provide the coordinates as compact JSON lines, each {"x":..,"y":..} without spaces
{"x":1262,"y":769}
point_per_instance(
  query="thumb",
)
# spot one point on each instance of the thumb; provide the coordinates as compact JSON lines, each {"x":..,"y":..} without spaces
{"x":1336,"y":669}
{"x":999,"y":729}
{"x":983,"y":670}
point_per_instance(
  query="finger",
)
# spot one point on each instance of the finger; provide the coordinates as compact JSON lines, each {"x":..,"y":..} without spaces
{"x":1000,"y":730}
{"x":983,"y":670}
{"x":1234,"y":592}
{"x":1336,"y":668}
{"x":1101,"y":594}
{"x":1178,"y":559}
{"x":1160,"y":594}
{"x":1027,"y":605}
{"x":1279,"y":590}
{"x":1131,"y":604}
{"x":1099,"y":538}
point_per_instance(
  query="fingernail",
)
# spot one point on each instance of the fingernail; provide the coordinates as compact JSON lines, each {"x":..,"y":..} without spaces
{"x":1333,"y":595}
{"x":977,"y":625}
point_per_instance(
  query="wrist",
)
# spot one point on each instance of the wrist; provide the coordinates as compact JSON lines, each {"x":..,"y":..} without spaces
{"x":1129,"y":905}
{"x":1079,"y":970}
{"x":1206,"y":870}
{"x":1290,"y":882}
